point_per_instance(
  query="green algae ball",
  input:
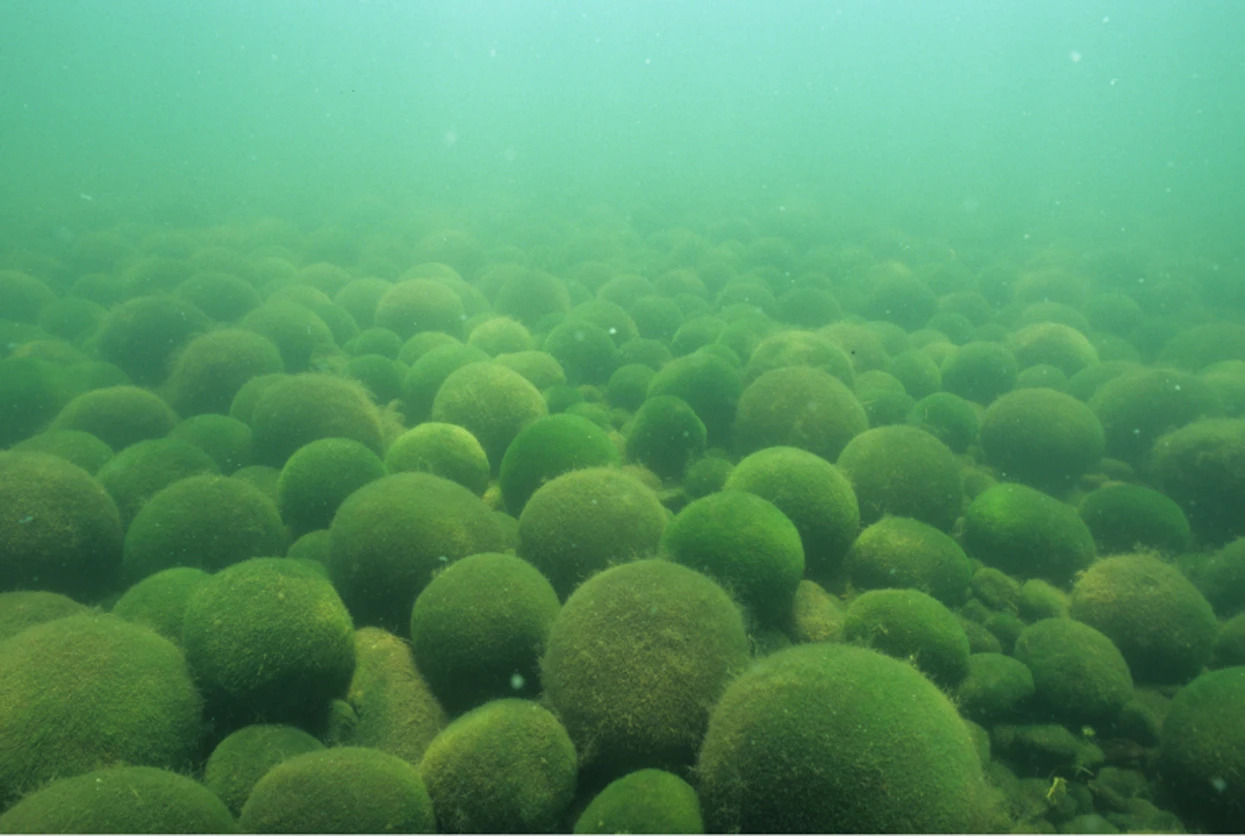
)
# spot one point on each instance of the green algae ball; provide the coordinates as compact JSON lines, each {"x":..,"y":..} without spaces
{"x":74,"y":446}
{"x":121,"y":799}
{"x":297,"y":332}
{"x":798,"y":406}
{"x":706,"y":383}
{"x":996,"y":687}
{"x":547,"y":448}
{"x":145,"y":468}
{"x":159,"y":601}
{"x":665,"y":436}
{"x":416,"y":305}
{"x":87,"y":691}
{"x":979,"y":371}
{"x":303,"y":408}
{"x":26,"y":608}
{"x":1078,"y":673}
{"x":1137,"y":408}
{"x":644,"y":801}
{"x":1041,"y":437}
{"x":227,"y":441}
{"x":746,"y":544}
{"x":898,"y":552}
{"x":319,"y":476}
{"x":1202,"y":467}
{"x":212,"y":368}
{"x":826,"y":737}
{"x":948,"y":418}
{"x":585,"y":350}
{"x":1124,"y":518}
{"x":346,"y":789}
{"x":117,"y":415}
{"x":269,"y":640}
{"x":500,"y":335}
{"x":479,"y":629}
{"x":903,"y":471}
{"x":142,"y":334}
{"x":1027,"y":534}
{"x":1054,"y":344}
{"x":636,"y":659}
{"x":242,"y":758}
{"x":444,"y":450}
{"x":908,"y":624}
{"x":427,"y":373}
{"x":491,"y":402}
{"x":507,"y":766}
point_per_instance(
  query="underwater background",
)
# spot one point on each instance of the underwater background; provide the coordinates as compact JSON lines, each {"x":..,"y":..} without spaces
{"x":516,"y":416}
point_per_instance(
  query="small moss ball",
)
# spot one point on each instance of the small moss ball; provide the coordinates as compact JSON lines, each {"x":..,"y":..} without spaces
{"x":1137,"y":408}
{"x":444,"y":450}
{"x":416,"y":305}
{"x":979,"y":371}
{"x":145,"y":468}
{"x":900,"y":552}
{"x":222,"y":296}
{"x":1125,"y":518}
{"x":141,"y":335}
{"x":1041,"y":437}
{"x":585,"y":350}
{"x":303,"y":408}
{"x":117,"y":415}
{"x":1078,"y":673}
{"x":508,"y":766}
{"x":1027,"y":534}
{"x":319,"y":476}
{"x":491,"y":402}
{"x":227,"y":441}
{"x":26,"y":608}
{"x":1052,"y":343}
{"x":32,"y":391}
{"x":628,"y":385}
{"x":297,"y":332}
{"x":908,"y":624}
{"x":1202,"y":467}
{"x":548,"y":447}
{"x":903,"y":471}
{"x":74,"y":446}
{"x":346,"y":789}
{"x":644,"y":801}
{"x":798,"y":406}
{"x":827,"y":737}
{"x":1222,"y":578}
{"x":208,"y":373}
{"x":500,"y":335}
{"x":948,"y":418}
{"x":428,"y":371}
{"x":799,"y":348}
{"x":159,"y":601}
{"x":708,"y":384}
{"x":665,"y":436}
{"x":243,"y":757}
{"x":539,"y":368}
{"x":996,"y":687}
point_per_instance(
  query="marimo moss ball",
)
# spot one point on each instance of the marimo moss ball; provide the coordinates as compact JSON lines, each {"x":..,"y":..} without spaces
{"x":585,"y":350}
{"x":899,"y":552}
{"x":1052,"y":343}
{"x":345,"y":789}
{"x":636,"y":659}
{"x":145,"y":468}
{"x":297,"y":332}
{"x":1222,"y":578}
{"x":802,"y":742}
{"x":479,"y":629}
{"x":1157,"y":618}
{"x":548,"y":447}
{"x":491,"y":402}
{"x":1202,"y":467}
{"x":159,"y":601}
{"x":74,"y":446}
{"x":948,"y":418}
{"x":87,"y":691}
{"x":644,"y":801}
{"x":1041,"y":437}
{"x":587,"y":520}
{"x":142,"y":334}
{"x":997,"y":687}
{"x":26,"y":608}
{"x":416,"y":305}
{"x":303,"y":408}
{"x":391,"y":535}
{"x":910,"y":625}
{"x":665,"y":436}
{"x":319,"y":476}
{"x":121,"y":799}
{"x":708,"y":384}
{"x":227,"y":441}
{"x":269,"y":640}
{"x":979,"y":371}
{"x":906,"y":472}
{"x":1078,"y":674}
{"x":117,"y":415}
{"x":242,"y":758}
{"x":505,"y":767}
{"x":1136,"y":408}
{"x":798,"y":406}
{"x":746,"y":544}
{"x":1202,"y":750}
{"x":212,"y":368}
{"x":444,"y":450}
{"x":1124,"y":518}
{"x":59,"y":530}
{"x":1027,"y":534}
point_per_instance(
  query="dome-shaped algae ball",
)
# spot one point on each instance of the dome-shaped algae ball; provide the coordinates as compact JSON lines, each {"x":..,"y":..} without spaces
{"x":243,"y":757}
{"x":1202,"y":467}
{"x":665,"y":436}
{"x":444,"y":450}
{"x":1135,"y":409}
{"x":142,"y":334}
{"x":491,"y":402}
{"x":979,"y":371}
{"x":297,"y":410}
{"x":644,"y":801}
{"x":908,"y":624}
{"x":212,"y":368}
{"x":117,"y":415}
{"x":1041,"y":437}
{"x":548,"y":447}
{"x":899,"y":552}
{"x":706,"y":383}
{"x":996,"y":687}
{"x":319,"y":476}
{"x":1124,"y":517}
{"x":903,"y":471}
{"x":1202,"y":750}
{"x":1027,"y":533}
{"x":1078,"y":673}
{"x":415,"y":305}
{"x":159,"y":601}
{"x":26,"y":608}
{"x":798,"y":406}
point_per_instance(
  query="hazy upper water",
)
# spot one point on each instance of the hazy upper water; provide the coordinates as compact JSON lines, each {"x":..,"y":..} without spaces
{"x":1011,"y":117}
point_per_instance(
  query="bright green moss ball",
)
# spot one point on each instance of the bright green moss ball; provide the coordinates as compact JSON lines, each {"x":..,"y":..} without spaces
{"x":26,"y":608}
{"x":1124,"y":518}
{"x":708,"y":384}
{"x":1078,"y":674}
{"x":87,"y":691}
{"x":996,"y":687}
{"x":1041,"y":437}
{"x":242,"y":758}
{"x":416,"y":305}
{"x":903,"y":471}
{"x":121,"y":799}
{"x":227,"y":441}
{"x":585,"y":350}
{"x":798,"y":406}
{"x":500,"y":335}
{"x":799,"y":348}
{"x":908,"y":624}
{"x":827,"y":737}
{"x":142,"y":470}
{"x":507,"y":766}
{"x":665,"y":436}
{"x":74,"y":446}
{"x":491,"y":402}
{"x":297,"y":332}
{"x":1202,"y":751}
{"x":900,"y":552}
{"x":644,"y":801}
{"x":117,"y":415}
{"x":213,"y":367}
{"x":319,"y":476}
{"x":445,"y":450}
{"x":547,"y":448}
{"x":628,"y":386}
{"x":1202,"y":467}
{"x":539,"y":368}
{"x":159,"y":601}
{"x":345,"y":789}
{"x":428,"y":371}
{"x":1027,"y":534}
{"x":269,"y":640}
{"x":300,"y":409}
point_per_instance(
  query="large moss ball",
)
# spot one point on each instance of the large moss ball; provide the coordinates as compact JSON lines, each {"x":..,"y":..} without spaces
{"x":827,"y":737}
{"x":635,"y":660}
{"x":1027,"y":533}
{"x":708,"y":384}
{"x":117,"y":415}
{"x":213,"y":367}
{"x":159,"y":601}
{"x":444,"y":450}
{"x":507,"y":766}
{"x":345,"y":789}
{"x":979,"y":371}
{"x":415,"y":305}
{"x":491,"y":402}
{"x":1041,"y":437}
{"x":548,"y":447}
{"x":143,"y":469}
{"x":900,"y":552}
{"x":243,"y":757}
{"x":27,"y":607}
{"x":88,"y":691}
{"x":1054,"y":344}
{"x":1125,"y":517}
{"x":644,"y":801}
{"x":908,"y":624}
{"x":665,"y":436}
{"x":300,"y":409}
{"x":140,"y":335}
{"x":1152,"y":612}
{"x":319,"y":476}
{"x":59,"y":530}
{"x":906,"y":472}
{"x":996,"y":687}
{"x":1202,"y":467}
{"x":1078,"y":673}
{"x":798,"y":406}
{"x":1138,"y":407}
{"x":269,"y":640}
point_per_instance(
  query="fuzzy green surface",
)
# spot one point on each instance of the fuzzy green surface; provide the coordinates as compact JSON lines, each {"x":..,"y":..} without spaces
{"x":145,"y":468}
{"x":1125,"y":517}
{"x":319,"y":476}
{"x":903,"y":471}
{"x":303,"y":408}
{"x":628,"y":385}
{"x":222,"y":296}
{"x":547,"y":448}
{"x":1222,"y":578}
{"x":665,"y":436}
{"x":910,"y":625}
{"x":798,"y":406}
{"x":1027,"y":534}
{"x":241,"y":759}
{"x":586,"y":351}
{"x":500,"y":335}
{"x":827,"y":737}
{"x":744,"y":542}
{"x":269,"y":640}
{"x":644,"y":801}
{"x":26,"y":608}
{"x":708,"y":384}
{"x":32,"y":391}
{"x":121,"y":799}
{"x":491,"y":402}
{"x":74,"y":446}
{"x":949,"y":418}
{"x":1041,"y":437}
{"x":86,"y":691}
{"x":213,"y":367}
{"x":226,"y":440}
{"x":636,"y":659}
{"x":995,"y":687}
{"x":1157,"y":618}
{"x":587,"y":520}
{"x":1054,"y":344}
{"x":416,"y":305}
{"x":59,"y":529}
{"x":799,"y":348}
{"x":507,"y":766}
{"x":903,"y":552}
{"x":979,"y":371}
{"x":1077,"y":672}
{"x":1137,"y":408}
{"x":391,"y":535}
{"x":297,"y":332}
{"x":118,"y":415}
{"x":159,"y":601}
{"x":142,"y":334}
{"x":206,"y":521}
{"x":375,"y":341}
{"x":479,"y":624}
{"x":429,"y":371}
{"x":341,"y":790}
{"x":1202,"y":750}
{"x":540,"y":368}
{"x":1202,"y":467}
{"x":445,"y":450}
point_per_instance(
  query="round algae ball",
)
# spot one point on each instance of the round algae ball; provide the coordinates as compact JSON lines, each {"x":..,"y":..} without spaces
{"x":1152,"y":612}
{"x":636,"y":659}
{"x":491,"y":402}
{"x":1137,"y":408}
{"x":300,"y":409}
{"x":318,"y":478}
{"x":898,"y":552}
{"x":996,"y":687}
{"x":1054,"y":344}
{"x":479,"y":629}
{"x":1077,"y":672}
{"x":1202,"y":467}
{"x":979,"y":371}
{"x":906,"y":472}
{"x":587,"y":520}
{"x":268,"y":639}
{"x":444,"y":450}
{"x":143,"y":469}
{"x":1027,"y":533}
{"x":798,"y":406}
{"x":1202,"y":750}
{"x":908,"y":624}
{"x":241,"y":759}
{"x":708,"y":384}
{"x":415,"y":305}
{"x":665,"y":436}
{"x":507,"y":766}
{"x":26,"y":608}
{"x":117,"y":415}
{"x":548,"y":447}
{"x":1124,"y":517}
{"x":827,"y":737}
{"x":121,"y":799}
{"x":1041,"y":437}
{"x":86,"y":691}
{"x":746,"y":544}
{"x":345,"y":789}
{"x":644,"y":801}
{"x":159,"y":601}
{"x":213,"y":367}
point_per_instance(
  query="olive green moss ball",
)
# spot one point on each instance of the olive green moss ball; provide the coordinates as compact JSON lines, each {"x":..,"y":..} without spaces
{"x":507,"y":766}
{"x":1157,"y":618}
{"x":628,"y":386}
{"x":222,"y":296}
{"x":587,"y":520}
{"x":1202,"y":750}
{"x":900,"y":552}
{"x":22,"y":296}
{"x":1125,"y":518}
{"x":159,"y":601}
{"x":1202,"y":467}
{"x":948,"y":418}
{"x":1027,"y":534}
{"x":121,"y":799}
{"x":491,"y":402}
{"x":444,"y":450}
{"x":1041,"y":437}
{"x":744,"y":542}
{"x":319,"y":476}
{"x":145,"y":468}
{"x":827,"y":737}
{"x":500,"y":335}
{"x":303,"y":408}
{"x":88,"y":691}
{"x":529,"y":295}
{"x":32,"y":391}
{"x":59,"y":530}
{"x":345,"y":789}
{"x":708,"y":384}
{"x":391,"y":535}
{"x":979,"y":371}
{"x":903,"y":471}
{"x":665,"y":436}
{"x":429,"y":371}
{"x":548,"y":447}
{"x":26,"y":608}
{"x":1222,"y":578}
{"x":243,"y":757}
{"x":1137,"y":408}
{"x":539,"y":368}
{"x":416,"y":305}
{"x":141,"y":335}
{"x":1054,"y":344}
{"x":636,"y":659}
{"x":799,"y":348}
{"x":297,"y":332}
{"x":908,"y":624}
{"x":798,"y":406}
{"x":585,"y":350}
{"x":226,"y":440}
{"x":644,"y":801}
{"x":74,"y":446}
{"x":269,"y":640}
{"x":117,"y":415}
{"x":996,"y":687}
{"x":1078,"y":673}
{"x":812,"y":493}
{"x":208,"y":373}
{"x":209,"y":522}
{"x":479,"y":629}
